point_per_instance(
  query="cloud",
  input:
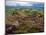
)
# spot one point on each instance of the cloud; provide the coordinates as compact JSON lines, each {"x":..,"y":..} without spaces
{"x":17,"y":3}
{"x":24,"y":3}
{"x":13,"y":3}
{"x":10,"y":3}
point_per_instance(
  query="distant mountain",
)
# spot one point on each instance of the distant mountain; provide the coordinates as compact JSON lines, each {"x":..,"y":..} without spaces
{"x":29,"y":7}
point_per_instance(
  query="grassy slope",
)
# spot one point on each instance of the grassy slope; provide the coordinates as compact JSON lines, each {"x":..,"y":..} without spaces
{"x":25,"y":26}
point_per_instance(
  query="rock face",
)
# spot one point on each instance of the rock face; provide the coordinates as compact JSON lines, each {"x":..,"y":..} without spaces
{"x":15,"y":24}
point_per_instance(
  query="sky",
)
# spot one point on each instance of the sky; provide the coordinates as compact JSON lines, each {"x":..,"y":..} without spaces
{"x":13,"y":3}
{"x":18,"y":3}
